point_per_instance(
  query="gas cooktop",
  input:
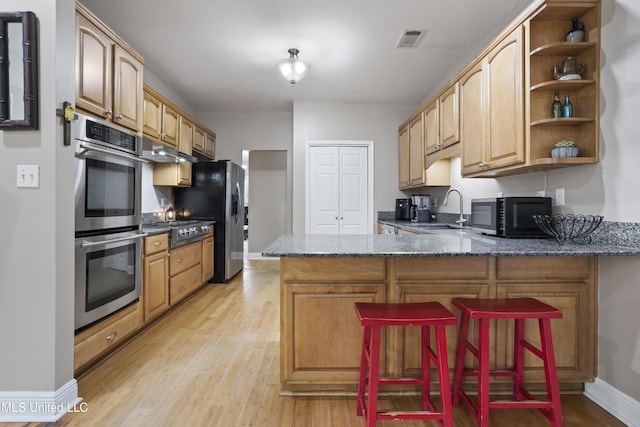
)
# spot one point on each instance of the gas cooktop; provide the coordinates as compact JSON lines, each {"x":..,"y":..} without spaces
{"x":182,"y":232}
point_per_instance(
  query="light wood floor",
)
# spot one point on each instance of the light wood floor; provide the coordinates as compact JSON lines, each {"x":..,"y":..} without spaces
{"x":214,"y":361}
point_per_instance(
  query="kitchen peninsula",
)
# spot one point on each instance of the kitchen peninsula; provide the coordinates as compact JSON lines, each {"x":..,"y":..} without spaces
{"x":322,"y":276}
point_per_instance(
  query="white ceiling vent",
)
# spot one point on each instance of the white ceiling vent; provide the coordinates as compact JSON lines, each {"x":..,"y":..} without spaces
{"x":410,"y":38}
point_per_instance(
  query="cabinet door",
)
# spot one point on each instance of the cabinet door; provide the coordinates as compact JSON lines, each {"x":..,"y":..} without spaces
{"x":416,"y":152}
{"x":207,"y":259}
{"x":449,"y":117}
{"x":471,"y":119}
{"x":198,"y":139}
{"x":403,"y":157}
{"x":127,"y":89}
{"x":210,"y":145}
{"x":155,"y":285}
{"x":505,"y":90}
{"x":94,"y":52}
{"x":152,"y":113}
{"x":185,"y":139}
{"x":170,"y":119}
{"x":431,"y":129}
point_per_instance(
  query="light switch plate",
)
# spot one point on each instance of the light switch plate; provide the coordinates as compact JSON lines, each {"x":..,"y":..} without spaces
{"x":559,"y":196}
{"x":28,"y":176}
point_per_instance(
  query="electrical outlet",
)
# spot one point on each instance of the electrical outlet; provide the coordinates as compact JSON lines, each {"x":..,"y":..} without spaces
{"x":559,"y":196}
{"x":540,"y":193}
{"x":500,"y":194}
{"x":28,"y":176}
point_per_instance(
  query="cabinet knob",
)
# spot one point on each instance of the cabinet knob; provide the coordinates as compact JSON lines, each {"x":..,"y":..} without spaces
{"x":119,"y":116}
{"x":157,"y":244}
{"x":112,"y":336}
{"x":109,"y":113}
{"x":179,"y":260}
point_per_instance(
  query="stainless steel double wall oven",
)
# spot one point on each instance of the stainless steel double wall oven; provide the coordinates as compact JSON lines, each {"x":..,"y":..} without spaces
{"x":108,"y":241}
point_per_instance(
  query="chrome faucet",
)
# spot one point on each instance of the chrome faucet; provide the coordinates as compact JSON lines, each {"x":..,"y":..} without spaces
{"x":461,"y":220}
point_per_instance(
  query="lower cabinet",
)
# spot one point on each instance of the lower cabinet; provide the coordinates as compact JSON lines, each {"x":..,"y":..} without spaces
{"x":321,"y":337}
{"x":207,"y":257}
{"x":104,"y":336}
{"x":185,"y":271}
{"x":155,"y":274}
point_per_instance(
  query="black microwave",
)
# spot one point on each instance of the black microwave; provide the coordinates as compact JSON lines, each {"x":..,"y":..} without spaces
{"x":509,"y":216}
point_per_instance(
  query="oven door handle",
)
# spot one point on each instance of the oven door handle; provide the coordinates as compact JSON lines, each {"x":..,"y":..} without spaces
{"x":86,"y":148}
{"x":120,"y":239}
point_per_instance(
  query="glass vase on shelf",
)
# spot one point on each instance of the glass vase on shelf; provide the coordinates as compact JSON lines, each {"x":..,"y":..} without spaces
{"x":556,"y":106}
{"x":567,"y":107}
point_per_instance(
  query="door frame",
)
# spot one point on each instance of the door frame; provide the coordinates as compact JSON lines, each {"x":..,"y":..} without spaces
{"x":308,"y":143}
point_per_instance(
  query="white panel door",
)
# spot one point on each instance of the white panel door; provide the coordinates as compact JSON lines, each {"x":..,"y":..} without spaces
{"x":338,"y":190}
{"x":353,"y":190}
{"x":325,"y":189}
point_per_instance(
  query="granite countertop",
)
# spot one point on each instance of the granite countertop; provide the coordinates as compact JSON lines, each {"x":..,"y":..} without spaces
{"x":153,"y":230}
{"x":438,"y":242}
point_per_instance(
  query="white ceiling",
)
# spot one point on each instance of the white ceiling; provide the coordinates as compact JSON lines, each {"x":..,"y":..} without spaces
{"x":220,"y":55}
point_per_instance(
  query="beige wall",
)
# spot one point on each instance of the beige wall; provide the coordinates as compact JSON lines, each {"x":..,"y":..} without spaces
{"x":341,"y":121}
{"x":36,"y":257}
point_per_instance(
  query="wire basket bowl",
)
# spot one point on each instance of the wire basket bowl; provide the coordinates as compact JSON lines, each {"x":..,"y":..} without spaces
{"x":576,"y":228}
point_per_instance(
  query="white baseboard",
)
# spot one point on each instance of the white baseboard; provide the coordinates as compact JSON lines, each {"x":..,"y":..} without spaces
{"x":40,"y":406}
{"x":622,"y":406}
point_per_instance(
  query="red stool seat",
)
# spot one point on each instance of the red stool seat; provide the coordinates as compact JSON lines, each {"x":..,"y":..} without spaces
{"x":518,"y":309}
{"x":426,"y":315}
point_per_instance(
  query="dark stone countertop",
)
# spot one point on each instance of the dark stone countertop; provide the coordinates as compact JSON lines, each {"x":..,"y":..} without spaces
{"x":434,"y":242}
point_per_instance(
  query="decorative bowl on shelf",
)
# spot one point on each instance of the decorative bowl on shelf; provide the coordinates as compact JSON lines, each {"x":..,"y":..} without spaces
{"x":577,"y":228}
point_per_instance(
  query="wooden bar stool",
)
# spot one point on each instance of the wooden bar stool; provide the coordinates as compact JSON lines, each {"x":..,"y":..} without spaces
{"x":506,"y":308}
{"x":429,"y":314}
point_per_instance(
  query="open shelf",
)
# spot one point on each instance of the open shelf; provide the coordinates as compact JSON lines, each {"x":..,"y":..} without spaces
{"x":565,"y":85}
{"x":564,"y":160}
{"x":564,"y":121}
{"x":562,"y":49}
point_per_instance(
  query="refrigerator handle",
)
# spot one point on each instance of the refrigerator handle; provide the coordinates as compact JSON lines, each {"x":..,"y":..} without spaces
{"x":235,"y":203}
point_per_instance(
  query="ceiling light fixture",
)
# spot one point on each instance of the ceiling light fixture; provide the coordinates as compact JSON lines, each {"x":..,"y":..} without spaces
{"x":293,"y":68}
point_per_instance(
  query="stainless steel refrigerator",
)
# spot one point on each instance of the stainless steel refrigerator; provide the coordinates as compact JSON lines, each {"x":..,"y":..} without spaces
{"x":217,"y":194}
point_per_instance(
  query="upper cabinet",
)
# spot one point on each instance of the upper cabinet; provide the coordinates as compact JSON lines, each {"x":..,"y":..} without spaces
{"x":493,"y":97}
{"x":548,"y":47}
{"x":499,"y":106}
{"x":411,"y":144}
{"x":109,"y":73}
{"x":160,"y":119}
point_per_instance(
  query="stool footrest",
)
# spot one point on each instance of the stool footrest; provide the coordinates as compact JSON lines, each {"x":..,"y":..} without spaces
{"x":502,"y":404}
{"x":409,"y":415}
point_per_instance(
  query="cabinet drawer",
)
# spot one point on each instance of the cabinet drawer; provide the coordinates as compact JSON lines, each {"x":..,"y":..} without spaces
{"x":106,"y":335}
{"x":184,"y":257}
{"x":184,"y":283}
{"x":335,"y":269}
{"x":157,"y":243}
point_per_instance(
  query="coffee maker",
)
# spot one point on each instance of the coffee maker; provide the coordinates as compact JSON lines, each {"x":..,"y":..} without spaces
{"x":403,"y":209}
{"x":421,"y":208}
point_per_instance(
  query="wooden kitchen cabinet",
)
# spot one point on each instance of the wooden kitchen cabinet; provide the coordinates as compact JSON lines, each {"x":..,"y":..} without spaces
{"x":207,"y":256}
{"x":210,"y":145}
{"x":155,"y":284}
{"x":411,"y":145}
{"x":105,"y":335}
{"x":172,"y":128}
{"x":321,"y":337}
{"x":547,"y":47}
{"x":185,"y":271}
{"x":403,"y":157}
{"x":109,"y":73}
{"x":416,"y":151}
{"x":505,"y":95}
{"x":198,"y":139}
{"x":431,"y":116}
{"x":160,"y":119}
{"x":449,"y":106}
{"x":501,"y":109}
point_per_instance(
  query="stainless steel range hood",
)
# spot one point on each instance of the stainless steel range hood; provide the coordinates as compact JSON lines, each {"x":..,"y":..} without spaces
{"x":160,"y":153}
